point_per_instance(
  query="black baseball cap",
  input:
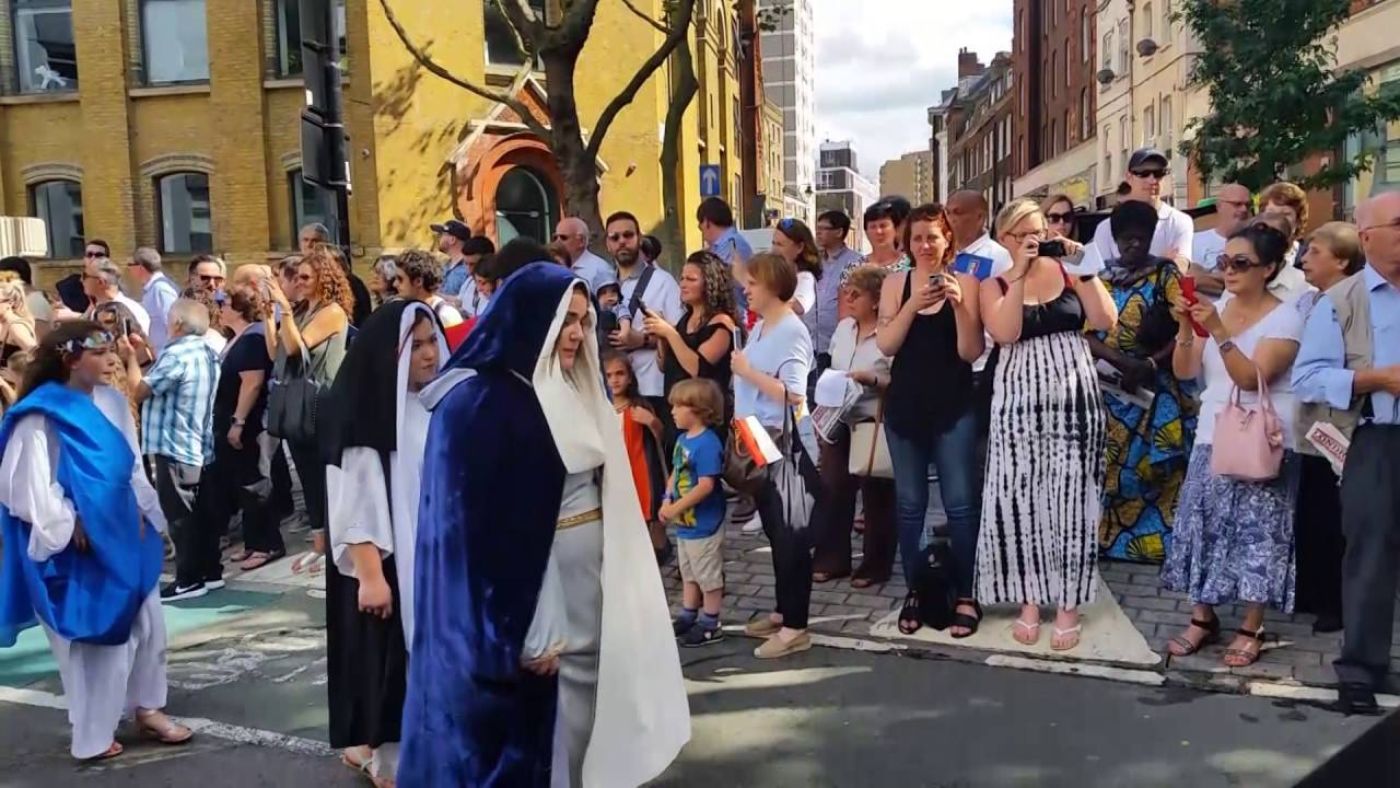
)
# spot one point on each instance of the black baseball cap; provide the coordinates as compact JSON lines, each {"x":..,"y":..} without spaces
{"x":1143,"y":156}
{"x":453,"y":228}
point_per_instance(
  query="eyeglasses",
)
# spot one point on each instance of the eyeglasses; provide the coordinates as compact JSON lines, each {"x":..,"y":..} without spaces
{"x":90,"y":254}
{"x":1239,"y":263}
{"x":1393,"y":224}
{"x":563,"y":236}
{"x":1155,"y":174}
{"x":1057,"y":218}
{"x":210,"y":278}
{"x":627,"y":234}
{"x":1019,"y":237}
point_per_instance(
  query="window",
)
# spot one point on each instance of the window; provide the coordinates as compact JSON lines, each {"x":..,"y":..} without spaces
{"x":1065,"y":137}
{"x":1068,"y":59}
{"x":1167,"y":128}
{"x":502,"y":46}
{"x":1123,"y":135}
{"x":1086,"y":115}
{"x":1147,"y":20}
{"x":175,"y":45}
{"x":1108,"y":49}
{"x":1106,"y":176}
{"x":1149,"y":126}
{"x":46,"y":60}
{"x":182,"y":205}
{"x":60,"y":205}
{"x":289,"y":36}
{"x":309,"y":204}
{"x":1124,"y":46}
{"x":1054,"y":69}
{"x":1086,"y":34}
{"x":1054,"y":135}
{"x":1167,"y":19}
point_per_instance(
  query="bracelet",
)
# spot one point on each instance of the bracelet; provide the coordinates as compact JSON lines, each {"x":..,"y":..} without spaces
{"x":1227,"y":345}
{"x":1187,"y":342}
{"x":238,"y":422}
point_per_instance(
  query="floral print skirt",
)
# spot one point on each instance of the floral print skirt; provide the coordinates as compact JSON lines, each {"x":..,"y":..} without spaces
{"x":1233,"y":540}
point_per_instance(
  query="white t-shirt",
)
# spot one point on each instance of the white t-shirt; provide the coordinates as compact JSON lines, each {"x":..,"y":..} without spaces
{"x":806,"y":293}
{"x":1283,"y":323}
{"x":662,"y":296}
{"x":1175,"y":230}
{"x":1207,"y":247}
{"x":1001,"y":263}
{"x":446,"y":312}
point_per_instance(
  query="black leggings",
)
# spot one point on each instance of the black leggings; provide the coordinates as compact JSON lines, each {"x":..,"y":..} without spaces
{"x":792,"y":557}
{"x":312,"y":472}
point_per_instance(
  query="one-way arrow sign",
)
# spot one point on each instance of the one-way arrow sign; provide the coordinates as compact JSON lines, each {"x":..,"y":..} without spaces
{"x":709,"y":180}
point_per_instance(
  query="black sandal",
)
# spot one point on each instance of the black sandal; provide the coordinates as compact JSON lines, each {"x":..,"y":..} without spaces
{"x":964,"y":620}
{"x":1212,"y":636}
{"x":910,"y":613}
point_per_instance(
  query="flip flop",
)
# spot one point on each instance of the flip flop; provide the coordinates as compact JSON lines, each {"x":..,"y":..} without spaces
{"x":258,"y":559}
{"x":1032,"y":630}
{"x":1075,"y":630}
{"x":361,"y":766}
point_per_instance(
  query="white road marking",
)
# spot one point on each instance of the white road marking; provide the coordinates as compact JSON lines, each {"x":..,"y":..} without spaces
{"x":238,"y":734}
{"x":1268,"y":689}
{"x":1147,"y":677}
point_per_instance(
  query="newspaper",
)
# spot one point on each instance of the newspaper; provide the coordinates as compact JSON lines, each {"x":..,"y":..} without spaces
{"x":1330,"y":441}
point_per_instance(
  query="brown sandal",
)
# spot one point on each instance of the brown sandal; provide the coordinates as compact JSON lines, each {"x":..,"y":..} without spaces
{"x":1243,"y":658}
{"x":156,"y":725}
{"x":111,"y":752}
{"x":1187,"y":648}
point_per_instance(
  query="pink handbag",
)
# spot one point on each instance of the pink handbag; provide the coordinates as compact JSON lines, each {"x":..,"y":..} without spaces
{"x":1248,"y":443}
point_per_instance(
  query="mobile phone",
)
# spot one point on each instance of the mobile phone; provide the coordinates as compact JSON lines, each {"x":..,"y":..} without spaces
{"x":936,"y":280}
{"x":607,"y":322}
{"x":1188,"y":291}
{"x":1054,"y":249}
{"x":125,"y":326}
{"x":642,"y":306}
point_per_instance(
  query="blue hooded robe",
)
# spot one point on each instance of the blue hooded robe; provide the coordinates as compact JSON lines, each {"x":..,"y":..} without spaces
{"x":492,"y":486}
{"x":92,"y":596}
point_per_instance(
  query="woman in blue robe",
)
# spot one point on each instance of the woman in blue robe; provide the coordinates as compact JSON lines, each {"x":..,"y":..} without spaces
{"x":541,"y":650}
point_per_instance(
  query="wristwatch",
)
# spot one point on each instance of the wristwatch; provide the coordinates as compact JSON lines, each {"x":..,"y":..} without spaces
{"x":1226,"y":346}
{"x":239,"y":422}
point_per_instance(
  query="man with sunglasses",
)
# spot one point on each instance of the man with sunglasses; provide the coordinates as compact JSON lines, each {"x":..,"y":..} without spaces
{"x":646,"y":288}
{"x":102,"y":284}
{"x":1148,"y":169}
{"x":207,"y":272}
{"x":452,"y":238}
{"x":573,"y":233}
{"x":1348,"y":376}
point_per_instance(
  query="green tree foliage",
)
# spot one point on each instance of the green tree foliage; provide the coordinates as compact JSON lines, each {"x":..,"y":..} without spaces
{"x":1276,"y":96}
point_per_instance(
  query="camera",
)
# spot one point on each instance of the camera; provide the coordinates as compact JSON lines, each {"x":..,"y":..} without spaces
{"x":1054,"y":249}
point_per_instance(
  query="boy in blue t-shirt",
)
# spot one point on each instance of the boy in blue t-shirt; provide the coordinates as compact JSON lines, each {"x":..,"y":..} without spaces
{"x":695,"y":503}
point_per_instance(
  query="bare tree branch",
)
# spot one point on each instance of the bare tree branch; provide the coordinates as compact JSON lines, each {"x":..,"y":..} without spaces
{"x":427,"y":62}
{"x":679,"y":29}
{"x":642,"y":15}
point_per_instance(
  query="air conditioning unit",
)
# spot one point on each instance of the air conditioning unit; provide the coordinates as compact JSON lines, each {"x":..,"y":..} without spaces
{"x":1147,"y":47}
{"x":1105,"y":75}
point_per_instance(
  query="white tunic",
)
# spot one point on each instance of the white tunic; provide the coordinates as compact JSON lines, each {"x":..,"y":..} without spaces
{"x":101,"y":683}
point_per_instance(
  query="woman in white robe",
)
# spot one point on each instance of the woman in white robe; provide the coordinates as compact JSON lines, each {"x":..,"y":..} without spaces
{"x":102,"y":683}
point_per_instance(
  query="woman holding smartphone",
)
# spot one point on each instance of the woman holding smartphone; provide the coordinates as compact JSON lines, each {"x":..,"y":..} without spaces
{"x":930,"y":326}
{"x":1045,"y":451}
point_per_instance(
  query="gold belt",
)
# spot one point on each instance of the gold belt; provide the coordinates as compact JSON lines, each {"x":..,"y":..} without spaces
{"x":573,"y":521}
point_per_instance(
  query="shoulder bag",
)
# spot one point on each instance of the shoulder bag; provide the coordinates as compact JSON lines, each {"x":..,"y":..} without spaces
{"x":1248,"y":443}
{"x":870,"y":452}
{"x":294,"y":397}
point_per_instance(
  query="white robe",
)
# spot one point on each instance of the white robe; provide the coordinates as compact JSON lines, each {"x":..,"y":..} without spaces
{"x":101,"y":683}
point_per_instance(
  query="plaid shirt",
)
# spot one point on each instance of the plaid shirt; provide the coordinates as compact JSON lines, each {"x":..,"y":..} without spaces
{"x":178,"y":418}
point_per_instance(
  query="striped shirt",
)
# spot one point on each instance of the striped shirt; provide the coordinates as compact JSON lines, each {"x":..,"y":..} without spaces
{"x":178,"y":418}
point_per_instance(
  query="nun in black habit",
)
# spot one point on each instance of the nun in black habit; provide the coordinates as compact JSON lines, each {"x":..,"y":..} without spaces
{"x":375,"y":432}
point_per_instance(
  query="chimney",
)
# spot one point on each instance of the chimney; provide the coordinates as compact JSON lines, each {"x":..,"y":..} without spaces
{"x":968,"y":65}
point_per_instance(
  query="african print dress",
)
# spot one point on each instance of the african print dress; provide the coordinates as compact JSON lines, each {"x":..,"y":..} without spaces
{"x":1148,"y":447}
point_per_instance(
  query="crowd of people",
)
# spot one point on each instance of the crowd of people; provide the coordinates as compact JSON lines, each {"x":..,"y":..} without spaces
{"x":1153,"y":394}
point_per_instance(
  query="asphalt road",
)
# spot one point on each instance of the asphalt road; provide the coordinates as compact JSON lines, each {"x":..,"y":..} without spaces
{"x":825,"y":718}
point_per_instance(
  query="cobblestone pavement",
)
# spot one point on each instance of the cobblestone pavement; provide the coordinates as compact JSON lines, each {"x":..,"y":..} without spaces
{"x":1298,"y":657}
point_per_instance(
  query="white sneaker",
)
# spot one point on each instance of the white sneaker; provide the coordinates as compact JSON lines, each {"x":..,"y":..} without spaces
{"x":754,"y":526}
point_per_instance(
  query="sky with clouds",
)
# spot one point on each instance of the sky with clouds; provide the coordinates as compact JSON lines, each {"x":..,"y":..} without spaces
{"x":882,"y":63}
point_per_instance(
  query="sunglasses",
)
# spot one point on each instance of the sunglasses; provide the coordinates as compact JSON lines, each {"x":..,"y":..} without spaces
{"x":1239,"y":263}
{"x":90,"y":255}
{"x":627,"y":234}
{"x":1157,"y":174}
{"x":1056,"y":218}
{"x":207,"y":278}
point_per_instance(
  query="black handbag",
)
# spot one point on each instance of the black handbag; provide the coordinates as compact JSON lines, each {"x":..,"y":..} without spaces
{"x":938,"y":594}
{"x":294,"y":398}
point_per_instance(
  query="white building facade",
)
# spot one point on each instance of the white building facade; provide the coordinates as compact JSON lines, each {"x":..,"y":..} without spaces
{"x":789,"y":81}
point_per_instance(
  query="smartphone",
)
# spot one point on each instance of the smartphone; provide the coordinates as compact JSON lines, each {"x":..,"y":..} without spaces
{"x":607,"y":322}
{"x":125,"y":327}
{"x":642,"y":306}
{"x":936,"y":280}
{"x":1188,"y":291}
{"x":1054,"y":249}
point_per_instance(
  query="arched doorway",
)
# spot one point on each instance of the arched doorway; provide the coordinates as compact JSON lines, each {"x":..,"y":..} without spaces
{"x":526,"y":205}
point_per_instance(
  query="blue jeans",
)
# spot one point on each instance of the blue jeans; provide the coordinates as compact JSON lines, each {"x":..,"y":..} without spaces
{"x":954,"y":455}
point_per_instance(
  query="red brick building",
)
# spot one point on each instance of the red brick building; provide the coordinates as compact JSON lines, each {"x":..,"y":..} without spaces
{"x":975,"y":119}
{"x":1054,"y":62}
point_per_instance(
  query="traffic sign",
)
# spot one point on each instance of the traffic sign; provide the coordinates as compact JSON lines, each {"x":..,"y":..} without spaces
{"x":709,"y":180}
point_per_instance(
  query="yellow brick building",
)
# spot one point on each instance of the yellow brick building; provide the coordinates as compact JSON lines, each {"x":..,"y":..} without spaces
{"x":174,"y":123}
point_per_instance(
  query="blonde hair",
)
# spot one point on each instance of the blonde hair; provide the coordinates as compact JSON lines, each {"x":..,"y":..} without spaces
{"x":13,"y":293}
{"x":1015,"y":212}
{"x":1343,"y":241}
{"x":702,"y":396}
{"x":868,"y":279}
